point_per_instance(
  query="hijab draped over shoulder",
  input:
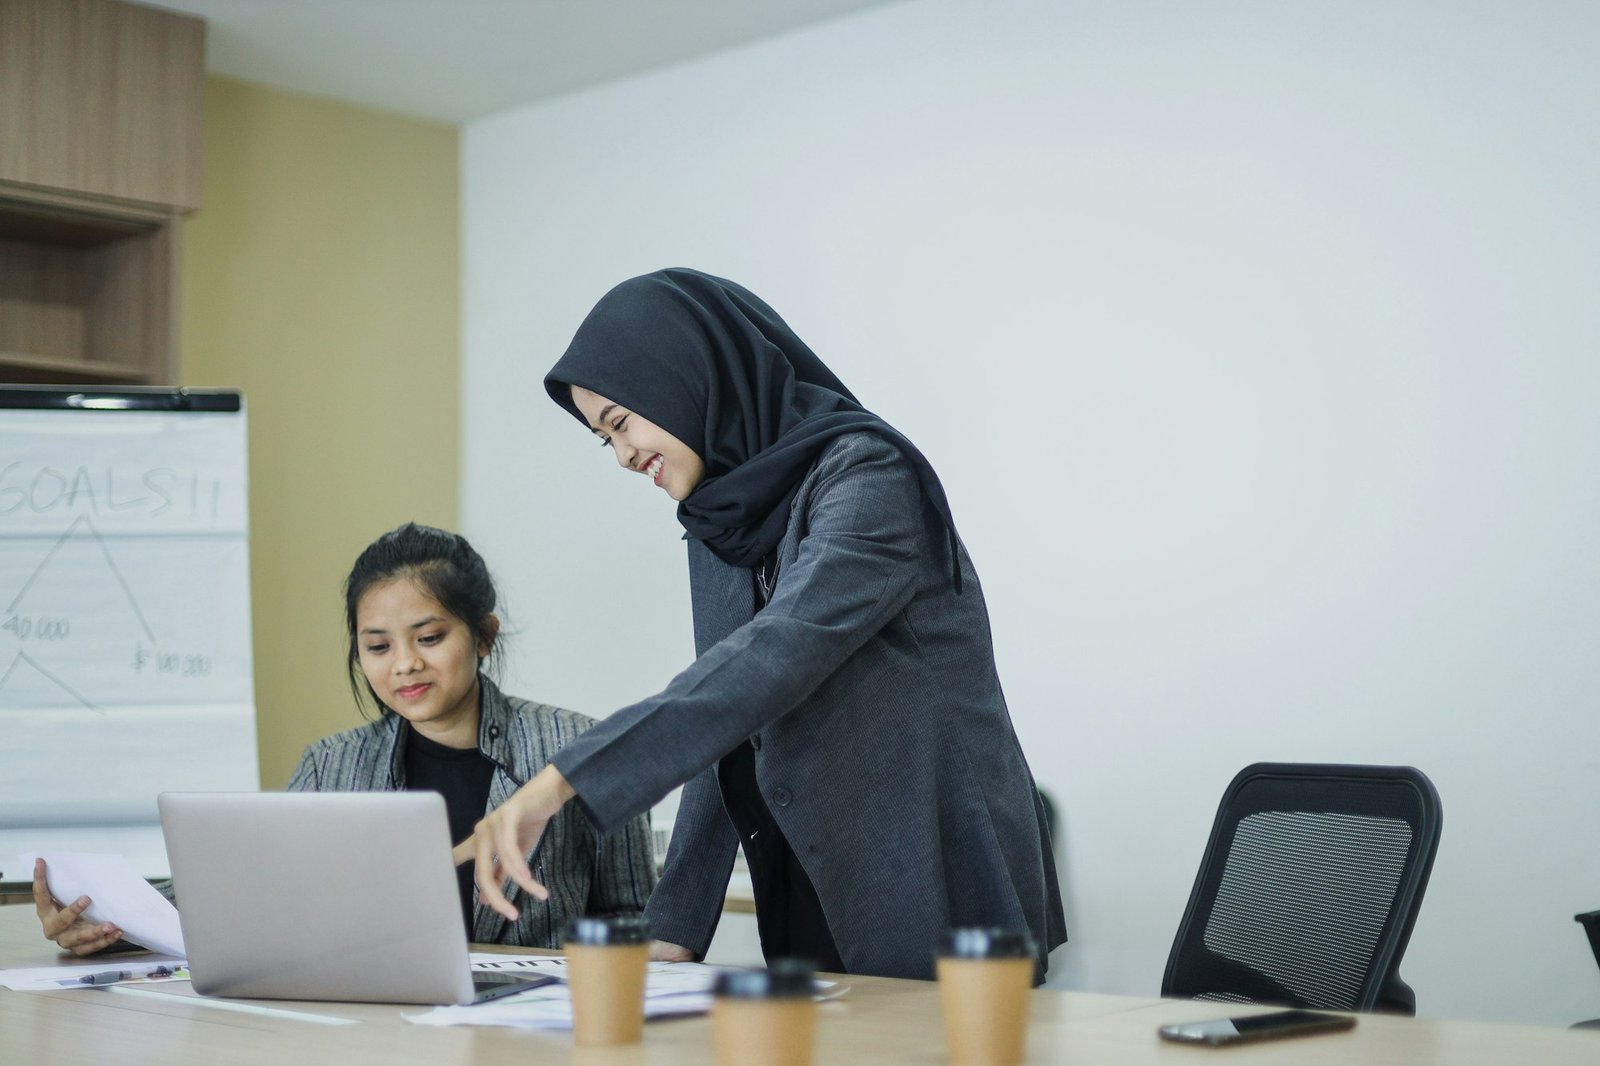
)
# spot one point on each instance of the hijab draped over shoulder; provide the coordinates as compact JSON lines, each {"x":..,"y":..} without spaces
{"x":710,"y":363}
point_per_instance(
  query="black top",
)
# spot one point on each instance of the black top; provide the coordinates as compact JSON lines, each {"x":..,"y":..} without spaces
{"x":789,"y":916}
{"x":461,"y":776}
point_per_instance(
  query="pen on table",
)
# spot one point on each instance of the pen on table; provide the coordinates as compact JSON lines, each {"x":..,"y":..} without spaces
{"x":111,"y":977}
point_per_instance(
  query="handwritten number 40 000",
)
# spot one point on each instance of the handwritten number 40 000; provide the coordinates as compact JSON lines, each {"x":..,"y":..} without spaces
{"x":40,"y":628}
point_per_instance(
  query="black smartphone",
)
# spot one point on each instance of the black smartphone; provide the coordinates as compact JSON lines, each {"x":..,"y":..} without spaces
{"x":1220,"y":1031}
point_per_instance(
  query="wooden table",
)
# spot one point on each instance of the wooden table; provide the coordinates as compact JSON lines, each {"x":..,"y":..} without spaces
{"x":879,"y":1020}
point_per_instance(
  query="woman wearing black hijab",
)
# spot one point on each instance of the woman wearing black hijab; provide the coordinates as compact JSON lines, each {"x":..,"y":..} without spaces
{"x":843,"y":719}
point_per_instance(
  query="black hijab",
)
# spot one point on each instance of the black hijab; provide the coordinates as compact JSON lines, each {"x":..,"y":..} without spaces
{"x":710,"y":363}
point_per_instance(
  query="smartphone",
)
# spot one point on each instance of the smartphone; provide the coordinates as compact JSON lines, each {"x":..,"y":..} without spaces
{"x":1219,"y":1031}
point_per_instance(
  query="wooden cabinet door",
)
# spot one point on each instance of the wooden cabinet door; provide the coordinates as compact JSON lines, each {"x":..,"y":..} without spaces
{"x":103,"y":98}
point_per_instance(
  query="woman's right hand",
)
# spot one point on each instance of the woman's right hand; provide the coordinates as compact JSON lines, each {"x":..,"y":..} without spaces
{"x":66,"y":924}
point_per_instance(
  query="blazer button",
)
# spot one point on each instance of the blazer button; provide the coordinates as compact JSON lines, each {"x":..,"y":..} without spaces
{"x":755,"y":741}
{"x":781,"y":797}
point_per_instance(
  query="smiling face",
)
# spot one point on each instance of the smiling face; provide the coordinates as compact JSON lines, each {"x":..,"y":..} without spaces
{"x":641,"y":445}
{"x":421,"y":660}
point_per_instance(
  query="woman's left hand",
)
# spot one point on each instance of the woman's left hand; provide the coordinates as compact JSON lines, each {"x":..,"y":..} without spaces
{"x":501,"y":842}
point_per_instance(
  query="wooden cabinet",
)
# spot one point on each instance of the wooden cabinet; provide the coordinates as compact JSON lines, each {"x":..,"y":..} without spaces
{"x":101,"y":110}
{"x":86,"y":291}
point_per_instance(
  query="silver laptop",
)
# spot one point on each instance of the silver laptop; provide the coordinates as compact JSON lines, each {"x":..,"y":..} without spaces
{"x":343,"y":896}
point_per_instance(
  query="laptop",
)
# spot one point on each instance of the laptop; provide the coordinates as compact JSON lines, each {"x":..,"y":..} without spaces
{"x":340,"y":896}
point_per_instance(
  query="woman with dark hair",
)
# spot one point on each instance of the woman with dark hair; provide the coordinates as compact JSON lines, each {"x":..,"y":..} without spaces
{"x":843,"y":720}
{"x":420,"y":616}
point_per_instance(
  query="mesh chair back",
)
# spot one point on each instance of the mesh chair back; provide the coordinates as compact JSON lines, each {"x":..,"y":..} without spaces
{"x":1309,"y":888}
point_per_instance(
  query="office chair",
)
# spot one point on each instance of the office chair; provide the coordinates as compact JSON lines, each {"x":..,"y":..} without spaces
{"x":1308,"y":889}
{"x":1591,"y":925}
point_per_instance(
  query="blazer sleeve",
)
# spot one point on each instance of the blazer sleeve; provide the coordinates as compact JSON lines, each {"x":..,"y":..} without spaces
{"x":856,"y":568}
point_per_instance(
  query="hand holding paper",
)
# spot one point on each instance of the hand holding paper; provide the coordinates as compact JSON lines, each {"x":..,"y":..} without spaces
{"x":64,"y":923}
{"x":117,"y":896}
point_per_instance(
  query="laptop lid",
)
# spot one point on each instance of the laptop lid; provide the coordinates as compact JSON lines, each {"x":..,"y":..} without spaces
{"x":344,"y":896}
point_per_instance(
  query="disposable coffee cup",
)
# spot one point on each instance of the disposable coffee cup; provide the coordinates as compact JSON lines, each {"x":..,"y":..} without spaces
{"x":606,"y":961}
{"x":985,"y":976}
{"x":764,"y":1017}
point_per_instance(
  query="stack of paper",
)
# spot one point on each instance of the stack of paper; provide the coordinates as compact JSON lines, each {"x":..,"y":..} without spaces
{"x":671,"y":988}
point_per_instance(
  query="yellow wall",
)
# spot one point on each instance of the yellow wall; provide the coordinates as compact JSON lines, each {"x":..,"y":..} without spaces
{"x":321,"y":278}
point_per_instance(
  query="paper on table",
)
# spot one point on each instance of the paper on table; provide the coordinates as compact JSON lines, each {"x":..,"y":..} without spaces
{"x":117,"y":895}
{"x":56,"y":978}
{"x":671,"y":988}
{"x":662,"y":978}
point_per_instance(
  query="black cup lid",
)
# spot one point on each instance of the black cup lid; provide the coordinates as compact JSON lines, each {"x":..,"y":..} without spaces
{"x":608,"y":931}
{"x":784,"y":979}
{"x":980,"y":943}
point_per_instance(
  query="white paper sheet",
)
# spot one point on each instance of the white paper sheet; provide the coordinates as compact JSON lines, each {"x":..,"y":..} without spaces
{"x":57,"y":978}
{"x":671,"y":988}
{"x":117,"y":895}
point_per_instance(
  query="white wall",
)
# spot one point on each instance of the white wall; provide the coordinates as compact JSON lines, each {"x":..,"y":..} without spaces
{"x":1256,"y":346}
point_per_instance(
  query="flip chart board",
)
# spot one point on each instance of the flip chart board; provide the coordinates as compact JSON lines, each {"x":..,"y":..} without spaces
{"x":125,"y":657}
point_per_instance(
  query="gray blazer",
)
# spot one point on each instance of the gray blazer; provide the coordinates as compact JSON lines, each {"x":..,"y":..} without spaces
{"x":867,"y":686}
{"x":586,"y":873}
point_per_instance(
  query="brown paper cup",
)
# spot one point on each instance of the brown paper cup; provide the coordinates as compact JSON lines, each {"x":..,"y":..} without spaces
{"x":763,"y":1032}
{"x":607,"y":982}
{"x":985,"y":1007}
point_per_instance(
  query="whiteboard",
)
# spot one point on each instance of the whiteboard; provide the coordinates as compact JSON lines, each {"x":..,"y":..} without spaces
{"x":125,"y":656}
